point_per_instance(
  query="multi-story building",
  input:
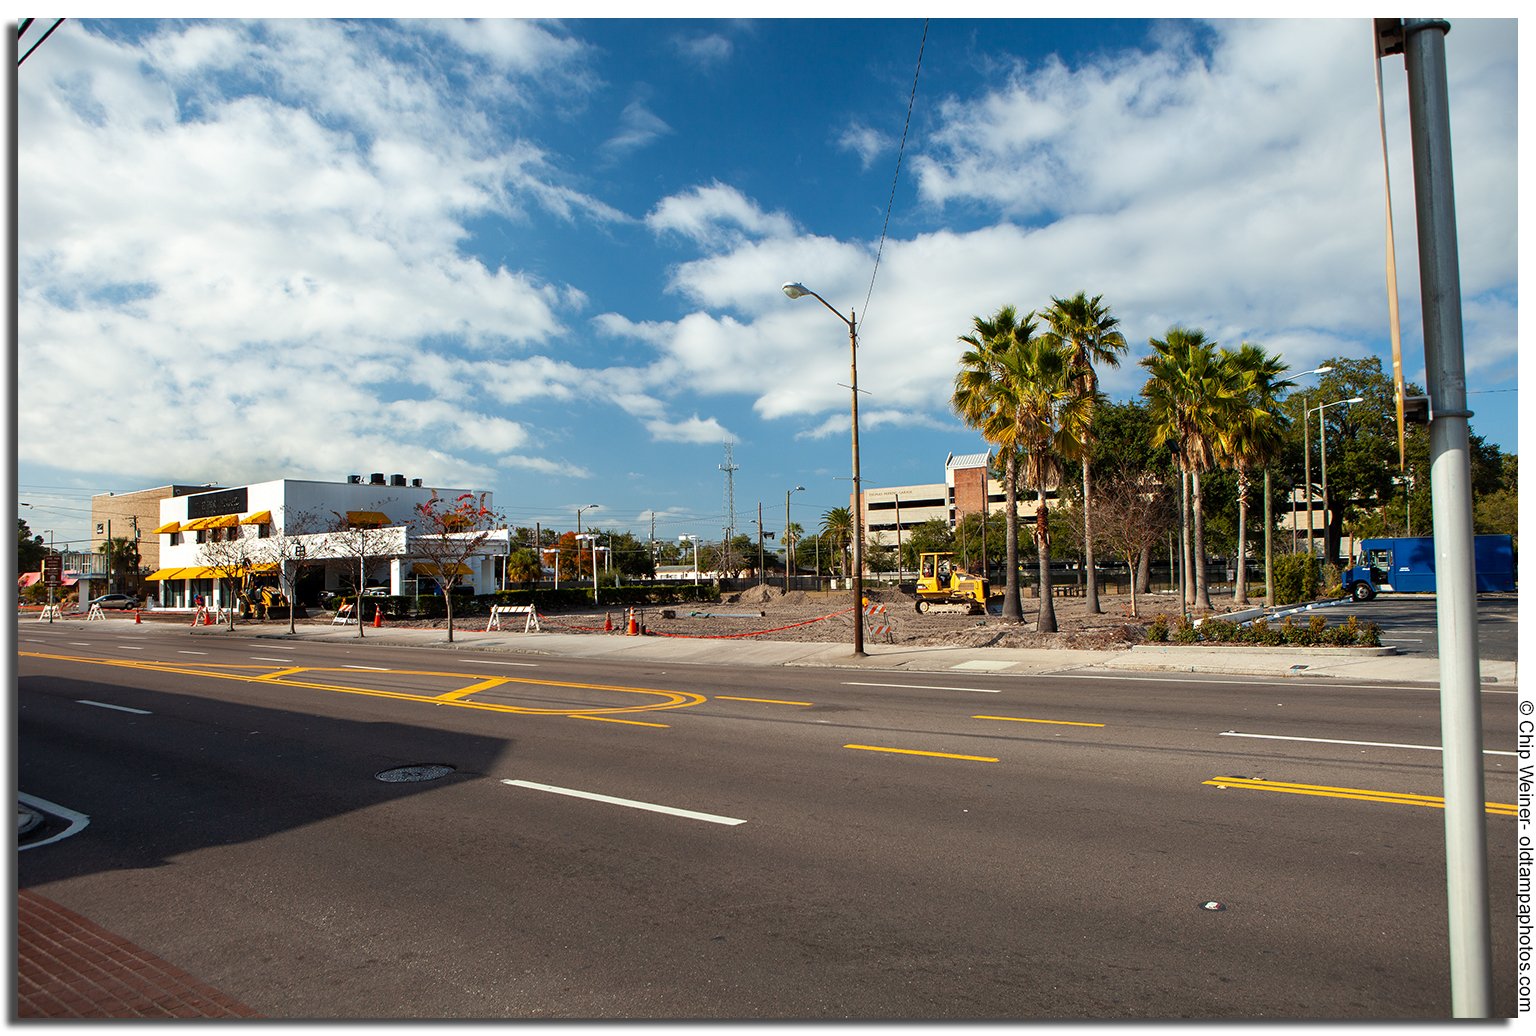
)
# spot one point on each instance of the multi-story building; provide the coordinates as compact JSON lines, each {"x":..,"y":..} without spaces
{"x":132,"y":516}
{"x":323,"y":535}
{"x":890,"y":513}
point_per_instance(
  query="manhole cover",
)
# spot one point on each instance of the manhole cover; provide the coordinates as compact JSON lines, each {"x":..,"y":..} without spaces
{"x":405,"y":774}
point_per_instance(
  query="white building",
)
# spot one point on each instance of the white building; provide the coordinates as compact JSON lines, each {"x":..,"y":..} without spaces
{"x":339,"y":529}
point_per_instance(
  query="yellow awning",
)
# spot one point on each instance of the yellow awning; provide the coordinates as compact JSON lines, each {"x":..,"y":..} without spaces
{"x":264,"y":568}
{"x":193,"y":524}
{"x":221,"y":521}
{"x":428,"y":568}
{"x":259,"y":518}
{"x":167,"y":527}
{"x":367,"y":518}
{"x":165,"y":573}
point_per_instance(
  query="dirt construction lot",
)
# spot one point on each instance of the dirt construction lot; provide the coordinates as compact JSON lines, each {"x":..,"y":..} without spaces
{"x":768,"y":612}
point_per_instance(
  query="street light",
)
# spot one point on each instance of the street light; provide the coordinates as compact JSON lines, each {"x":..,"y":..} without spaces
{"x":1269,"y":558}
{"x":796,"y":291}
{"x":592,"y":539}
{"x":789,"y":547}
{"x":695,"y":540}
{"x":589,"y":507}
{"x":1322,"y":445}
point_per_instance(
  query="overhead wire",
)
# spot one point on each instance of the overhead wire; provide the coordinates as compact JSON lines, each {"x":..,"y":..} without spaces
{"x":40,"y":41}
{"x":900,"y":151}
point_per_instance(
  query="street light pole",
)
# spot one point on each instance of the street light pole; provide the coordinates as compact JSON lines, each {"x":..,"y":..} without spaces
{"x":1322,"y":445}
{"x":1269,"y":560}
{"x":695,"y":541}
{"x":592,"y":539}
{"x":589,"y":507}
{"x":796,"y":291}
{"x":789,"y":546}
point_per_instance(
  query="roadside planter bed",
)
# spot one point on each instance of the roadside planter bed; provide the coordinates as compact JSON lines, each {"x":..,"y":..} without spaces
{"x":1259,"y":633}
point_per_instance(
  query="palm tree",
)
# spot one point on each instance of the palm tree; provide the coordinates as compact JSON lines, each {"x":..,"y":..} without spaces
{"x":1048,"y":427}
{"x":987,"y":400}
{"x":1085,"y":328}
{"x":1189,"y":394}
{"x":837,"y":525}
{"x":1252,"y":437}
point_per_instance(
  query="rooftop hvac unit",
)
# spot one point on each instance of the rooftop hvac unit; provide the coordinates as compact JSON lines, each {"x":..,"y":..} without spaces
{"x":397,"y":480}
{"x":354,"y":480}
{"x":416,"y":482}
{"x":376,"y":479}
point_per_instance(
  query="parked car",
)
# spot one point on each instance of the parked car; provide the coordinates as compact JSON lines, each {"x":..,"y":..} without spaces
{"x":114,"y":601}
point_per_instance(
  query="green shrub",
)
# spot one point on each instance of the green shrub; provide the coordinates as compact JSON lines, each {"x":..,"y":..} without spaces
{"x":1184,"y":631}
{"x":1220,"y":631}
{"x":1346,"y":633}
{"x":1295,"y":578}
{"x":1261,"y":632}
{"x":1332,"y":585}
{"x":1157,"y":630}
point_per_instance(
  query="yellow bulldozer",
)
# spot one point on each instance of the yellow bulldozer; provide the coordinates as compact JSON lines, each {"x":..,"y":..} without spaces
{"x":945,"y":587}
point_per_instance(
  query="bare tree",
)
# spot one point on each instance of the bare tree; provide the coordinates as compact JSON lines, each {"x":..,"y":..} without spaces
{"x":291,"y":542}
{"x":1130,"y":514}
{"x":448,"y":534}
{"x":230,"y":557}
{"x":361,"y":536}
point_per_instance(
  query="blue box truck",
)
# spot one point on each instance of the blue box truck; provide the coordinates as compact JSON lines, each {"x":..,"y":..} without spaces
{"x":1406,"y":564}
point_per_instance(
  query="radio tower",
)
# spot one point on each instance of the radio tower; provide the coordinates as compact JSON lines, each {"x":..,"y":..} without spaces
{"x":730,"y":510}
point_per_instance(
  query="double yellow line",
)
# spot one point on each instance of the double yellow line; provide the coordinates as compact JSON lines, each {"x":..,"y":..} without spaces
{"x":1394,"y":798}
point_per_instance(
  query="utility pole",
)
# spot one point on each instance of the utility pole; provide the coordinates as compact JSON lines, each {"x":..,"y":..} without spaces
{"x":760,"y":559}
{"x":1422,"y":43}
{"x":730,"y":511}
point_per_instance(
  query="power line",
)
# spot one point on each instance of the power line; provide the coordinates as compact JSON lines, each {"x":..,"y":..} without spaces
{"x":900,"y":151}
{"x":40,"y":42}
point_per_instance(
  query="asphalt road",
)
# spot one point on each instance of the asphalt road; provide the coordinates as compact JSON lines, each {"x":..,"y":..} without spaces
{"x":1048,"y":856}
{"x":1408,"y":623}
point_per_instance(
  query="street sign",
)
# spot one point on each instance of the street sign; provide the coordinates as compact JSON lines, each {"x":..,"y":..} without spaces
{"x":53,"y":570}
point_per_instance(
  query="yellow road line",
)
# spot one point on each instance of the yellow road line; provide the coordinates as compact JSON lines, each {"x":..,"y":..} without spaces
{"x":914,"y":751}
{"x":1395,"y":798}
{"x":765,"y":701}
{"x":1054,"y":722}
{"x":675,"y":699}
{"x":610,"y":719}
{"x":280,"y":673}
{"x":483,"y":685}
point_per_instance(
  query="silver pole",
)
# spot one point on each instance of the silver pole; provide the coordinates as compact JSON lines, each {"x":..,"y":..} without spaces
{"x":1461,"y":727}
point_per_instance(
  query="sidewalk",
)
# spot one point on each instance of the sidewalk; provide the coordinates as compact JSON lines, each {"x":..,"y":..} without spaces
{"x":68,"y":967}
{"x":1378,"y":665}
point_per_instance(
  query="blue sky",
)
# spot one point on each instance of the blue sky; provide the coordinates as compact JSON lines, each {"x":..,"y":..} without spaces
{"x":544,"y":258}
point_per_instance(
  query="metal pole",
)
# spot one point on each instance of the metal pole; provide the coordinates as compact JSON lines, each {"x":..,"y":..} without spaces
{"x":899,"y":572}
{"x":789,"y":546}
{"x":1306,"y":478}
{"x":1466,"y":852}
{"x":1322,"y":450}
{"x":1269,"y":557}
{"x":858,"y":493}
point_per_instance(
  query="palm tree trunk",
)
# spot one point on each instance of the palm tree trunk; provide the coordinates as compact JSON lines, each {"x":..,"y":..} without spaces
{"x":1240,"y":591}
{"x":1047,"y":621}
{"x":1091,"y":590}
{"x":1013,"y":610}
{"x":1202,"y":591}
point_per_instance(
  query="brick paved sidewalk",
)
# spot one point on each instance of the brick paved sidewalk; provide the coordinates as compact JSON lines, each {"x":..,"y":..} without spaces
{"x":68,"y":967}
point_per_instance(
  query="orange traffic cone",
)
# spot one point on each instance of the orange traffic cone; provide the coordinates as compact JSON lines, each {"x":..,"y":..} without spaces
{"x":136,"y":620}
{"x":207,"y":618}
{"x":634,"y":627}
{"x":608,"y":623}
{"x":378,"y":616}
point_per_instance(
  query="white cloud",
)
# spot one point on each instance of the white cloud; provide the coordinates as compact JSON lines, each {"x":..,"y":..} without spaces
{"x":260,"y":268}
{"x":691,"y":430}
{"x":717,"y":215}
{"x":638,"y":127}
{"x":705,"y":51}
{"x":1240,"y":194}
{"x":865,"y":142}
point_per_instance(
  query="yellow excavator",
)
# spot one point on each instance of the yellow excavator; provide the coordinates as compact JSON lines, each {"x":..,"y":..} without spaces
{"x":943,"y":587}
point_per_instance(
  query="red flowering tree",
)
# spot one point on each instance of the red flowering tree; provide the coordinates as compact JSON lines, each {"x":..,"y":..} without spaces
{"x":446,"y":535}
